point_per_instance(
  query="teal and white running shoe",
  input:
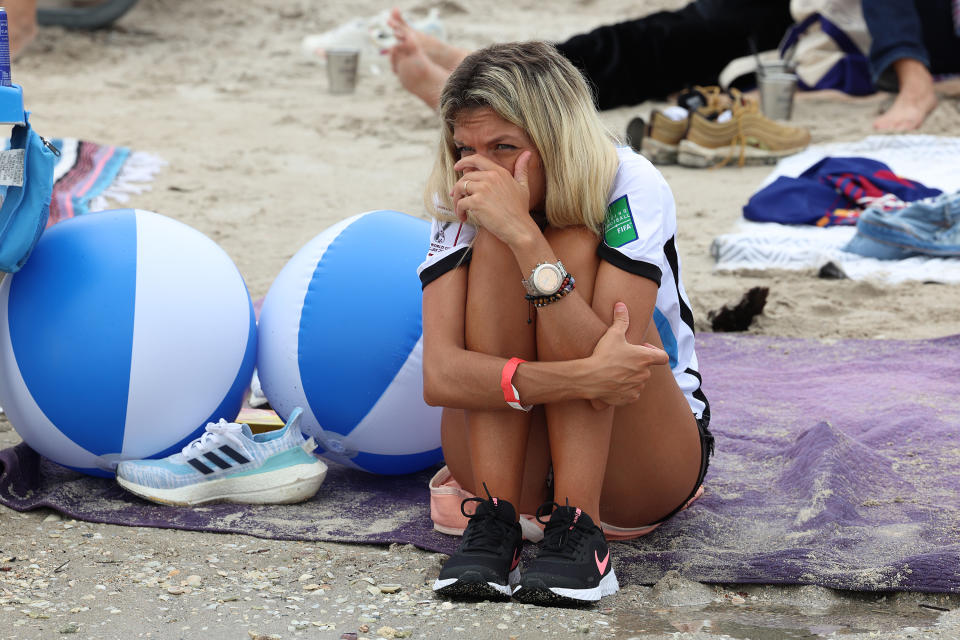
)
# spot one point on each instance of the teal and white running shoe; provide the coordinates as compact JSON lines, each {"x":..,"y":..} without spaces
{"x":228,"y":463}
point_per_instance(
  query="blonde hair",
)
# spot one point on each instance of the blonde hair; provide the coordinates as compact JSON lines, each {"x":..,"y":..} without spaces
{"x":532,"y":86}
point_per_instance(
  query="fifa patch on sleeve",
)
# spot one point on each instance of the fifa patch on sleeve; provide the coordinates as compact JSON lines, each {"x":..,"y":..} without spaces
{"x":619,"y":227}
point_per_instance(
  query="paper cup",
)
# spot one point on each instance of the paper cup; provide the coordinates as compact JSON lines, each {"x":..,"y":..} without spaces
{"x":342,"y":69}
{"x":776,"y":94}
{"x":770,"y":68}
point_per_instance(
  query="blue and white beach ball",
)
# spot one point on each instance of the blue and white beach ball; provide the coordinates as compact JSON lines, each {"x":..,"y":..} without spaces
{"x":340,"y":336}
{"x":122,"y":336}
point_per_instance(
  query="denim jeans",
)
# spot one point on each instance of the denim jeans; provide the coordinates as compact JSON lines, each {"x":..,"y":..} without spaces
{"x":918,"y":29}
{"x":929,"y":227}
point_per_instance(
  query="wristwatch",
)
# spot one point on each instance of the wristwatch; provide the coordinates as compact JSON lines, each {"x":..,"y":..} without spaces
{"x":545,"y":279}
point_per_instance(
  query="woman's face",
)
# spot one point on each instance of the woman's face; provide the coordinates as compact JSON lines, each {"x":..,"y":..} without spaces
{"x":481,"y":131}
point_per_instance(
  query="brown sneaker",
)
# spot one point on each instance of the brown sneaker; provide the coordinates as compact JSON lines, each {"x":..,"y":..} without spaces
{"x":662,"y":139}
{"x":663,"y":135}
{"x":748,"y":136}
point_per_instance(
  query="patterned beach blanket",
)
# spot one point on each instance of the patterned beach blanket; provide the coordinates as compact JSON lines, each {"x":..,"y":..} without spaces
{"x":757,"y":246}
{"x":855,"y":490}
{"x":752,"y":246}
{"x":88,"y":176}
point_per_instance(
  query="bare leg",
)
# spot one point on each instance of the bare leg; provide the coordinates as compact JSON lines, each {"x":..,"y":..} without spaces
{"x":417,"y":73}
{"x":420,"y":61}
{"x":915,"y":100}
{"x":456,"y":454}
{"x":579,"y":435}
{"x":22,"y":23}
{"x":442,"y":53}
{"x":496,"y":323}
{"x":654,"y":452}
{"x":634,"y":464}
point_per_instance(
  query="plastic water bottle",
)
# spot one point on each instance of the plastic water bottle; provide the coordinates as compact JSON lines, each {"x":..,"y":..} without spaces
{"x":4,"y":49}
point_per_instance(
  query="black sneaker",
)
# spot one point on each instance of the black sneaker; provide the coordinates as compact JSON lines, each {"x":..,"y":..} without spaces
{"x":484,"y":566}
{"x":572,"y":566}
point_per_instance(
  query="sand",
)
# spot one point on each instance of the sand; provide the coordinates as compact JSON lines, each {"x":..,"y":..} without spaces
{"x":261,"y":158}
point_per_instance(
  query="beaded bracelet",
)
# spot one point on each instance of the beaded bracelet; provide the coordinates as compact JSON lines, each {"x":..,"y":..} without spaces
{"x":568,"y":285}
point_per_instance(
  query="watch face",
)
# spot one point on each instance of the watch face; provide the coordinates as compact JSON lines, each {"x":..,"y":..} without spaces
{"x":547,"y":279}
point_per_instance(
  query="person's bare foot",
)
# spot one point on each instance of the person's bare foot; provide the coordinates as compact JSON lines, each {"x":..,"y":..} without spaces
{"x":913,"y":103}
{"x":441,"y":53}
{"x":22,"y":25}
{"x":418,"y":74}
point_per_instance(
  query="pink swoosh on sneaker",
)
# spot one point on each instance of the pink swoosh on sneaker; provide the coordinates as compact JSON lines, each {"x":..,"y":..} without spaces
{"x":602,"y":565}
{"x":516,"y":559}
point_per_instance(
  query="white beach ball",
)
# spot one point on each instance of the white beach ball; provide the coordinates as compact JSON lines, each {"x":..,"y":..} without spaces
{"x":340,"y":335}
{"x":122,"y":336}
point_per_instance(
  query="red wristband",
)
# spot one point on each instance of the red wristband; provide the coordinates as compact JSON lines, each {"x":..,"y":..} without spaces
{"x":510,"y":393}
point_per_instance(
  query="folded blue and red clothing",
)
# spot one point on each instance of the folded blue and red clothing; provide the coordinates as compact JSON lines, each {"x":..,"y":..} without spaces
{"x":834,"y":191}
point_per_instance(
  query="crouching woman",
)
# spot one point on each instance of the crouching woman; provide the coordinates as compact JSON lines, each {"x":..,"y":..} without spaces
{"x":557,"y":335}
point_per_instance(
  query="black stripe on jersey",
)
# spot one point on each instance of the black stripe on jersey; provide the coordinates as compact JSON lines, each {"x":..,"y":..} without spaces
{"x":217,"y":460}
{"x":199,"y":466}
{"x":636,"y":267}
{"x":233,"y":453}
{"x":700,"y":395}
{"x":670,"y":250}
{"x":460,"y":257}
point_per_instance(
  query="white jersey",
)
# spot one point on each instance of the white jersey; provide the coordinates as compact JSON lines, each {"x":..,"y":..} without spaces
{"x":640,"y":236}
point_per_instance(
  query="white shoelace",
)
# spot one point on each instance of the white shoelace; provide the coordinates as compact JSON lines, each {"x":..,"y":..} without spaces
{"x":215,"y":433}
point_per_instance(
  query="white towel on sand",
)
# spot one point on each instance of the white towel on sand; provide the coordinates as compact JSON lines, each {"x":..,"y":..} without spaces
{"x":758,"y":246}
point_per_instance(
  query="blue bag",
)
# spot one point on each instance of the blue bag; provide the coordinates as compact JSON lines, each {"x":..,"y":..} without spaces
{"x":23,"y":214}
{"x":850,"y":72}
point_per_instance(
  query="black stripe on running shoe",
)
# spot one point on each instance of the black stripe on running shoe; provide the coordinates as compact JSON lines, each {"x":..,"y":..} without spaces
{"x":199,"y":466}
{"x":217,"y":460}
{"x":233,"y":453}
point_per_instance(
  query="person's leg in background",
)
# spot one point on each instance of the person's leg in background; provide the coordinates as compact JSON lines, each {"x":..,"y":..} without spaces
{"x":628,"y":62}
{"x":665,"y":52}
{"x":910,"y":42}
{"x":421,"y":62}
{"x":941,"y":34}
{"x":21,"y":23}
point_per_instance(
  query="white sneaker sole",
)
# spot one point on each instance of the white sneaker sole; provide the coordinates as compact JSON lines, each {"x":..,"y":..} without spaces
{"x":658,"y":152}
{"x":283,"y":486}
{"x":457,"y":587}
{"x":609,"y":585}
{"x":546,"y":596}
{"x":690,"y":154}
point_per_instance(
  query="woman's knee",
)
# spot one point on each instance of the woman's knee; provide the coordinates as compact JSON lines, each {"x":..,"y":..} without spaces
{"x":489,"y":253}
{"x":576,"y":247}
{"x":579,"y":243}
{"x":497,"y":312}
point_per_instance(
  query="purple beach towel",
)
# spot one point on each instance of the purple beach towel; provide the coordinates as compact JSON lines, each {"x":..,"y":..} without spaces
{"x":838,"y":464}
